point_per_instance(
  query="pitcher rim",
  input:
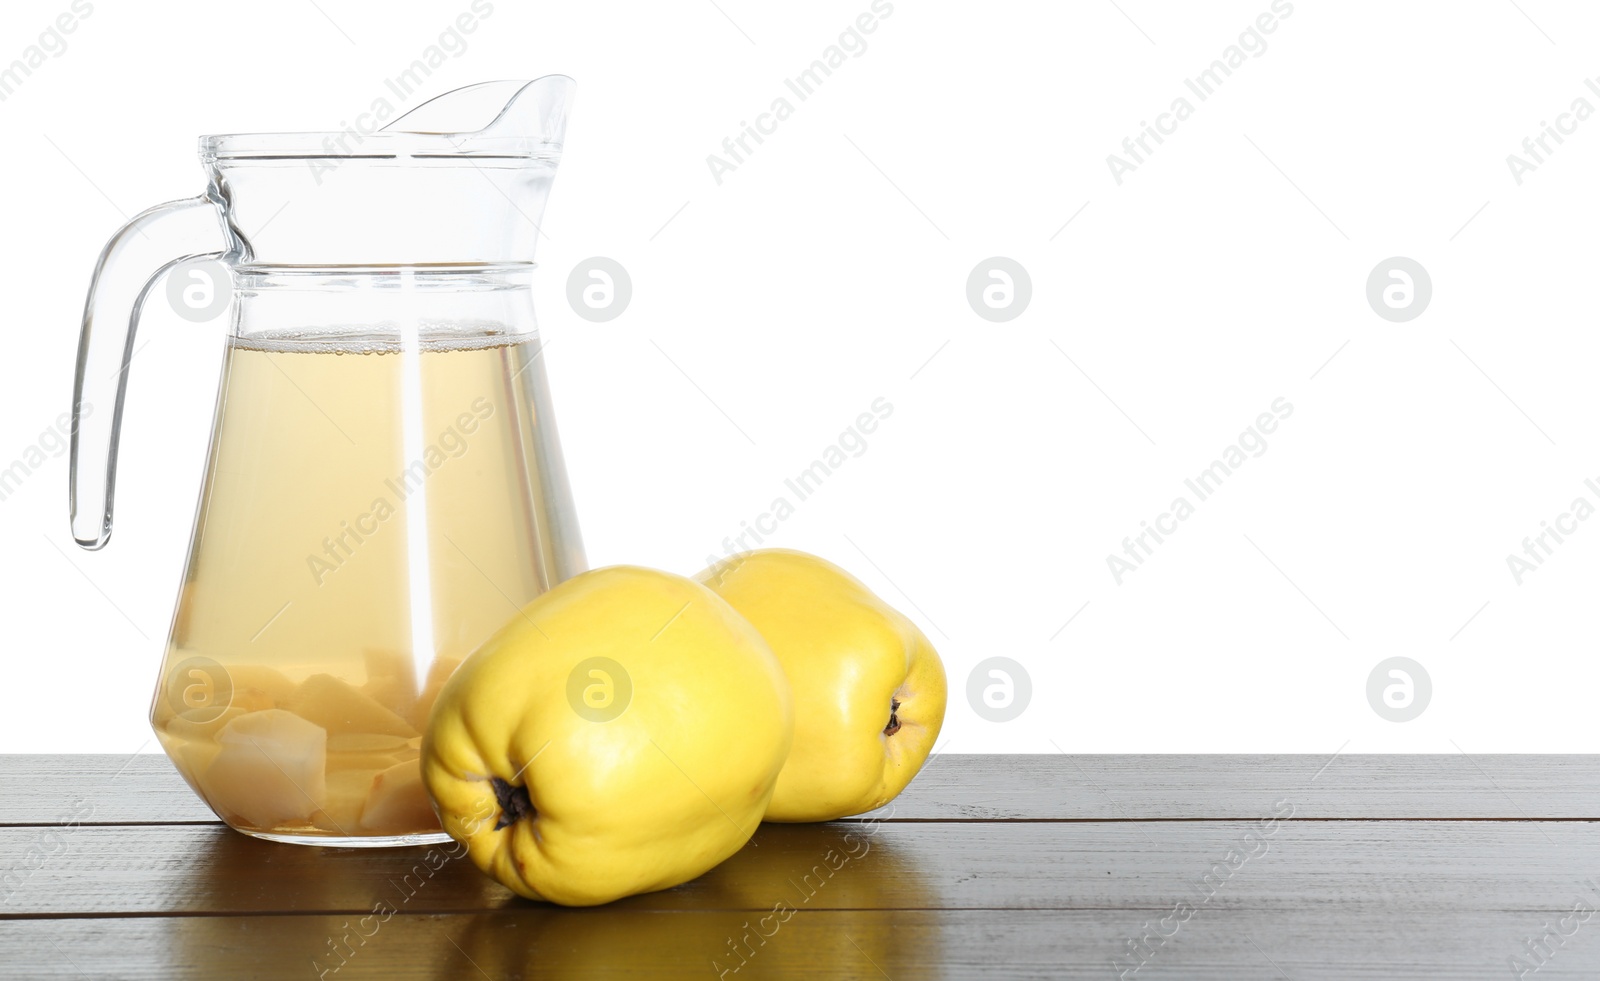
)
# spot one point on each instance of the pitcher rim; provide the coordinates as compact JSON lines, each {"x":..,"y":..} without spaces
{"x":353,"y":144}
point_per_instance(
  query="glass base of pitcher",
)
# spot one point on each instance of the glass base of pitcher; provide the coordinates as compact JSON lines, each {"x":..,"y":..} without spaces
{"x":351,"y":841}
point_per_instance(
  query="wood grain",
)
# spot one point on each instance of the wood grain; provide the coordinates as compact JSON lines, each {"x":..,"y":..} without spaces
{"x":142,"y":787}
{"x":146,"y":789}
{"x":1211,"y":787}
{"x":902,"y":945}
{"x":1005,"y":867}
{"x":1417,"y":866}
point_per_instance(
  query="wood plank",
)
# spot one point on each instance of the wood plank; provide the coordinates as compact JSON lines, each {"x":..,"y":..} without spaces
{"x":114,"y":789}
{"x":635,"y":945}
{"x":1407,"y":867}
{"x":1224,"y":787}
{"x":146,"y":789}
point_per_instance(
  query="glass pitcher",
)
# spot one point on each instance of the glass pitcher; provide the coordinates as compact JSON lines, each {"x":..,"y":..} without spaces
{"x":384,"y":486}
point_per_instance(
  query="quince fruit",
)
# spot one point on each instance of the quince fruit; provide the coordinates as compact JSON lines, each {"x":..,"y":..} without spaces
{"x":271,"y":769}
{"x":622,"y":735}
{"x":338,"y":707}
{"x":869,"y":690}
{"x":398,"y":804}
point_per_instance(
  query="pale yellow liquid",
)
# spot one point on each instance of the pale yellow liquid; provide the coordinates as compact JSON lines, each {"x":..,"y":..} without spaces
{"x":370,"y":516}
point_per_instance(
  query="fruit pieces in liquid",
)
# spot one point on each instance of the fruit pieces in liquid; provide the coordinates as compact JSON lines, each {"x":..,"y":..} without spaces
{"x":370,"y":515}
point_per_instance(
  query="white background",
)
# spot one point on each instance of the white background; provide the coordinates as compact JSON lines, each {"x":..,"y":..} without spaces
{"x":830,"y":267}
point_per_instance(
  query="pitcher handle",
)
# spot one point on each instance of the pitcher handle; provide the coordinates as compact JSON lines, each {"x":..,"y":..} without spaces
{"x":133,"y":260}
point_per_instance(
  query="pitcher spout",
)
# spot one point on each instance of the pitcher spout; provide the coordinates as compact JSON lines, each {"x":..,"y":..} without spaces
{"x":429,"y":188}
{"x":534,"y":111}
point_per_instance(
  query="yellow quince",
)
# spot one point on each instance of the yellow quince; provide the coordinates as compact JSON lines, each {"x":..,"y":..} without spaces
{"x":869,"y":690}
{"x":623,"y":734}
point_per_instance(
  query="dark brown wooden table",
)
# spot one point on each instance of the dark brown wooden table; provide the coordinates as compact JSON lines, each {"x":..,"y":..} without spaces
{"x":988,"y":866}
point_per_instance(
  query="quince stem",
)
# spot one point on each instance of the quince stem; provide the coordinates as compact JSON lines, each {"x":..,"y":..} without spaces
{"x":894,"y":720}
{"x":514,"y":803}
